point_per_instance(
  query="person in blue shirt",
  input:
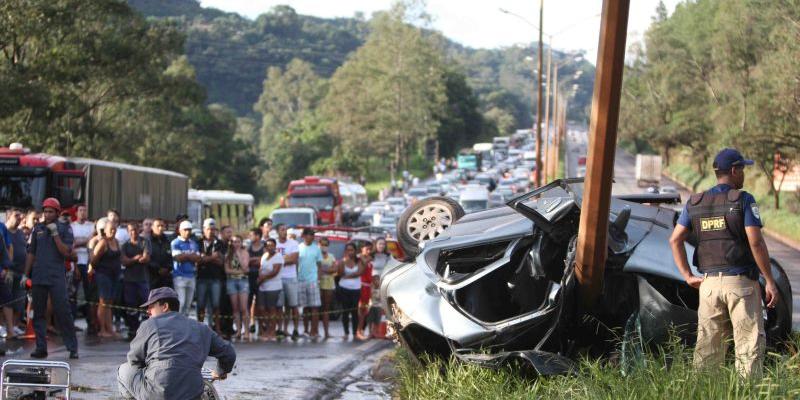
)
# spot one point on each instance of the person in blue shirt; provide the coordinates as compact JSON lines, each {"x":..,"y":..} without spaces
{"x":309,"y":261}
{"x":13,"y":274}
{"x":730,"y":253}
{"x":185,"y":255}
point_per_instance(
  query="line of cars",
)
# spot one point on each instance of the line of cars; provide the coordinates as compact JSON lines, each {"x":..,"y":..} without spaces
{"x":504,"y":172}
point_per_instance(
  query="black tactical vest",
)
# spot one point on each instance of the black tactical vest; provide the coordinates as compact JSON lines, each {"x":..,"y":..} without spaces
{"x":718,"y":223}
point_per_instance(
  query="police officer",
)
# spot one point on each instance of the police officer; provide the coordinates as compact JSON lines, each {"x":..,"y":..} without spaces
{"x":730,"y":253}
{"x":49,"y":246}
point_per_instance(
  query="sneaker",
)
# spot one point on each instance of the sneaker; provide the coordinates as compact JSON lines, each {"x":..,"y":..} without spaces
{"x":73,"y":355}
{"x":3,"y":332}
{"x":295,"y":336}
{"x":280,"y":333}
{"x":252,"y":329}
{"x":39,"y":354}
{"x":18,"y":331}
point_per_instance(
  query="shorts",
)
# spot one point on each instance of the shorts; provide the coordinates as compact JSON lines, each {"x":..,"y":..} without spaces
{"x":269,"y":298}
{"x":326,"y":282}
{"x":17,"y":292}
{"x":289,"y":298}
{"x":309,"y":294}
{"x":237,"y":285}
{"x":374,"y":315}
{"x":108,"y":287}
{"x":366,"y":295}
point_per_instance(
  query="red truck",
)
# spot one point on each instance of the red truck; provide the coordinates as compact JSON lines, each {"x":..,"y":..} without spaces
{"x":321,"y":194}
{"x":26,"y":179}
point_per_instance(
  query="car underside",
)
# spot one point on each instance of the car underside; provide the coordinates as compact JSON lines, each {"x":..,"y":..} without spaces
{"x":499,"y":286}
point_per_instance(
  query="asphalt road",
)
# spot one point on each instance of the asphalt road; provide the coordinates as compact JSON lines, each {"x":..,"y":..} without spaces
{"x":625,"y":183}
{"x":329,"y":369}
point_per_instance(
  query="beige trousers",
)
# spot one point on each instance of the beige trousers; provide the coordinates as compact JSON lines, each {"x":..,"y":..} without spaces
{"x":730,"y":306}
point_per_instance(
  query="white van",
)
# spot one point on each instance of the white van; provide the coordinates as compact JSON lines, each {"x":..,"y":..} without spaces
{"x":474,"y":198}
{"x":294,"y":216}
{"x":529,"y":156}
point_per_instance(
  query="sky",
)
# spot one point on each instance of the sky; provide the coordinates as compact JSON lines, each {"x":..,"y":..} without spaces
{"x":574,"y":24}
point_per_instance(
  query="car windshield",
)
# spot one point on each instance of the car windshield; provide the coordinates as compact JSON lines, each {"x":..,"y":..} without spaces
{"x":22,"y":191}
{"x":292,"y":219}
{"x":319,"y":202}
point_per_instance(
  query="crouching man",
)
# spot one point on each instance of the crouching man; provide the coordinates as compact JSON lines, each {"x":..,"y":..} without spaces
{"x":167,"y":355}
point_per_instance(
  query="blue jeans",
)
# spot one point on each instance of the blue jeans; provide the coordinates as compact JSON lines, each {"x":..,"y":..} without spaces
{"x":185,"y":287}
{"x":208,"y":293}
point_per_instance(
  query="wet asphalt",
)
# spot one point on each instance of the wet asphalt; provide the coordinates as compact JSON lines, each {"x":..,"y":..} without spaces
{"x":325,"y":369}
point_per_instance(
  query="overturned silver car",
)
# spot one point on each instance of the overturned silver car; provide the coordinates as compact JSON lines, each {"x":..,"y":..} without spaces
{"x":498,"y":286}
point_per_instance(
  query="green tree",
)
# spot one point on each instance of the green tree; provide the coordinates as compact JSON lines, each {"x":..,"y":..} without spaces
{"x":288,"y":105}
{"x":461,"y":123}
{"x":95,"y":79}
{"x":384,"y":101}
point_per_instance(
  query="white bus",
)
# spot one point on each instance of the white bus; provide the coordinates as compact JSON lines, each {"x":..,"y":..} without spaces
{"x":225,"y":206}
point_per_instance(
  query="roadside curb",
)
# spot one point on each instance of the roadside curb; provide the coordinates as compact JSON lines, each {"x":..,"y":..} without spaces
{"x":772,"y":235}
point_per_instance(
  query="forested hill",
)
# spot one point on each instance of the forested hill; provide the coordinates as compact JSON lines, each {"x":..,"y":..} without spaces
{"x":231,"y":53}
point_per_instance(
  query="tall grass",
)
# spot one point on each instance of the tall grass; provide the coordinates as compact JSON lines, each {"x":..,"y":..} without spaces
{"x":666,"y":374}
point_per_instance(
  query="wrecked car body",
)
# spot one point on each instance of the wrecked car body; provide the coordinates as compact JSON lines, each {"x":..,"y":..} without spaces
{"x":498,"y":286}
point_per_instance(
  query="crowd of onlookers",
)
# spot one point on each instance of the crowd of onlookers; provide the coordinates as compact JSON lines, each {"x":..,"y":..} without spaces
{"x":245,"y":287}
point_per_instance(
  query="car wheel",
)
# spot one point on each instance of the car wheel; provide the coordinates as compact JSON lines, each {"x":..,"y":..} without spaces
{"x":425,"y":220}
{"x":778,"y":325}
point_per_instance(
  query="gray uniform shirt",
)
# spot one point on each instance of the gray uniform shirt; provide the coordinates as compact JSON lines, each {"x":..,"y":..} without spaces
{"x":48,"y":267}
{"x":172,"y":349}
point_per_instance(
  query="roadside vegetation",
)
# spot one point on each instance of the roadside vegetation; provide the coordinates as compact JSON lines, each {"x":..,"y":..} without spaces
{"x":665,"y":375}
{"x":715,"y":74}
{"x":783,"y":221}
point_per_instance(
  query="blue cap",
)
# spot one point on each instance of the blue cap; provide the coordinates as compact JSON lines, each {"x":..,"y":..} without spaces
{"x":729,"y":158}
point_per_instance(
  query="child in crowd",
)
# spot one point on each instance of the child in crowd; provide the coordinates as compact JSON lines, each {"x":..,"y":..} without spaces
{"x":375,"y":310}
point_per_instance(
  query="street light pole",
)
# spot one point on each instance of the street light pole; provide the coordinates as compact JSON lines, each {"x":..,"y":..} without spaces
{"x":538,"y":174}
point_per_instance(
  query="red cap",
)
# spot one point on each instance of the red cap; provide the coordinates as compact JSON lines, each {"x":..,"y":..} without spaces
{"x":51,"y":202}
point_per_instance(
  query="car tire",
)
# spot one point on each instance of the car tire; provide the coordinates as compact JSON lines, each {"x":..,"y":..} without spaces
{"x":425,"y":220}
{"x":778,"y":325}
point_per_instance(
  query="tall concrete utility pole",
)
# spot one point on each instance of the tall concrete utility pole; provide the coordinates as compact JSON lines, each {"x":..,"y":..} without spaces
{"x":593,"y":228}
{"x":538,"y":174}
